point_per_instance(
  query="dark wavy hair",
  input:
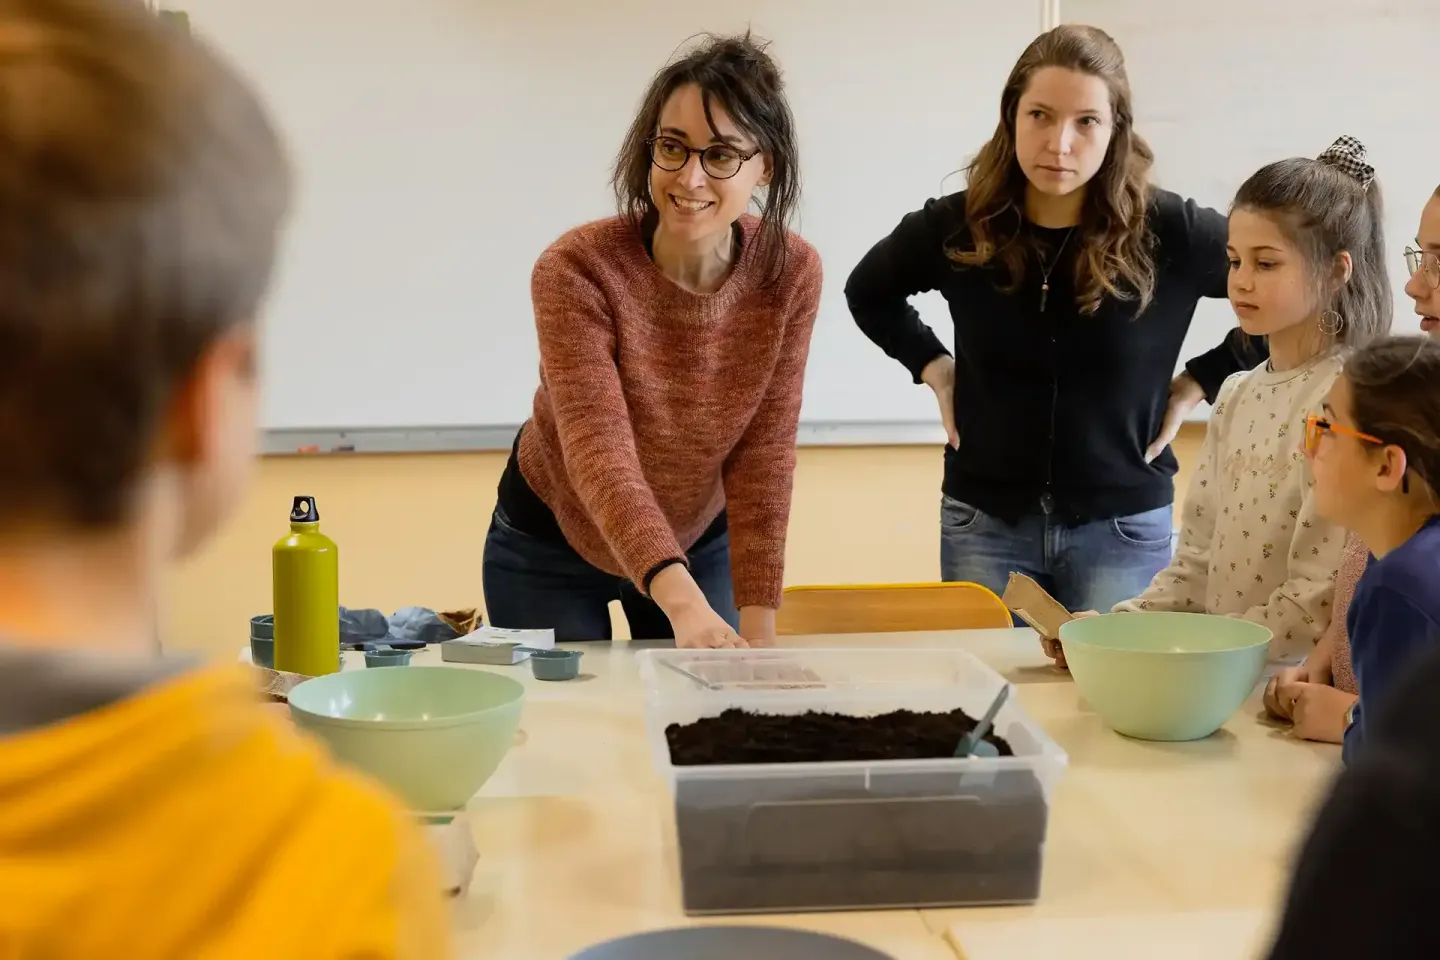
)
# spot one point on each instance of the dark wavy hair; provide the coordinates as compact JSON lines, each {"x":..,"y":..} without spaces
{"x":738,"y":74}
{"x":1116,"y":243}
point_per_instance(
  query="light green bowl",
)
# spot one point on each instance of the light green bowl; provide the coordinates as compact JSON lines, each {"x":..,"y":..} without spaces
{"x":1165,"y":676}
{"x":433,"y":735}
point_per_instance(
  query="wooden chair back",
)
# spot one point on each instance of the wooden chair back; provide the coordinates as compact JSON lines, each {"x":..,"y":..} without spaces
{"x":890,"y":608}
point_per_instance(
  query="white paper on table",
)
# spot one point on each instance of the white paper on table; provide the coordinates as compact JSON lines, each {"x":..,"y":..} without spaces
{"x":539,"y":639}
{"x":1198,"y":935}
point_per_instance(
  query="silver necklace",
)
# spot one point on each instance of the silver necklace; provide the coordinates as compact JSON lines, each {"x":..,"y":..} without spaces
{"x":1046,"y":268}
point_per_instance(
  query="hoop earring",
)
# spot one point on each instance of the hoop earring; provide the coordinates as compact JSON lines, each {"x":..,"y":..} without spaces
{"x":1331,"y":323}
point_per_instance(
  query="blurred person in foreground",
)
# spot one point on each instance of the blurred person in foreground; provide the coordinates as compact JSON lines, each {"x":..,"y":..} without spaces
{"x":149,"y":806}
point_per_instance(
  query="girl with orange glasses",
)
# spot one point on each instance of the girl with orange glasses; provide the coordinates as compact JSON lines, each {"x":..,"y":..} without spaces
{"x":1375,"y":456}
{"x":1317,"y":695}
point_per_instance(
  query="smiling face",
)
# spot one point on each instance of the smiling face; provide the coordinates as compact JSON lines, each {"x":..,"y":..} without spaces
{"x":1427,"y":297}
{"x":1063,"y":126}
{"x":694,"y":204}
{"x":1270,"y":285}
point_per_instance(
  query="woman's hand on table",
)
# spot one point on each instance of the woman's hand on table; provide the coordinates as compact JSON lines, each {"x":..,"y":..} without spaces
{"x":703,"y":628}
{"x":939,"y":376}
{"x":695,"y":623}
{"x":1185,"y":395}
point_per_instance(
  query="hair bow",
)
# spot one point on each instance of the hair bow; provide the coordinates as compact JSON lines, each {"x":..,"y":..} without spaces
{"x":1347,"y":155}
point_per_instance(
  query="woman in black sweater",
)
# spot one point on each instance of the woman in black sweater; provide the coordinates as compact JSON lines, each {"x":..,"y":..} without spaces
{"x":1072,"y":283}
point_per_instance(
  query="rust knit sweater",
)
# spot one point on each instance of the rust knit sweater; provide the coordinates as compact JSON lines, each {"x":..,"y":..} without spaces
{"x":659,"y":407}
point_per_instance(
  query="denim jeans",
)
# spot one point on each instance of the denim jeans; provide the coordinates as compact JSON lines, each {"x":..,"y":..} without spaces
{"x":531,"y":583}
{"x":1092,"y":566}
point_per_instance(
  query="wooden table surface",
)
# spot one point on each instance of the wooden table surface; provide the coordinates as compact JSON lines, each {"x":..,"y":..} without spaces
{"x":1153,"y":849}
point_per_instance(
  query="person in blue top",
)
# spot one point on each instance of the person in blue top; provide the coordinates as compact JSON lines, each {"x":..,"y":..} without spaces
{"x":1375,"y":453}
{"x":1361,"y":885}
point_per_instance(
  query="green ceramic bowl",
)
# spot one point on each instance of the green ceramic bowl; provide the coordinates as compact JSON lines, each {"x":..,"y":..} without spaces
{"x":1165,"y":676}
{"x":433,"y":735}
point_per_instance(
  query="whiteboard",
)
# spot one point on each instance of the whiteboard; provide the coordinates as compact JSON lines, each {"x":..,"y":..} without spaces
{"x":443,"y":144}
{"x":1224,"y":87}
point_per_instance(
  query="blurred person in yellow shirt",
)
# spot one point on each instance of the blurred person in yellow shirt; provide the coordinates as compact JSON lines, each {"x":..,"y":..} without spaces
{"x":150,"y":807}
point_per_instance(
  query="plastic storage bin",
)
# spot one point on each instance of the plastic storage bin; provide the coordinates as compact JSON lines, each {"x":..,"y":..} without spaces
{"x":792,"y":837}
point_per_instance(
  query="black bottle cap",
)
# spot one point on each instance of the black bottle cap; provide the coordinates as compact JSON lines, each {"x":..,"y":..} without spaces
{"x":304,"y":511}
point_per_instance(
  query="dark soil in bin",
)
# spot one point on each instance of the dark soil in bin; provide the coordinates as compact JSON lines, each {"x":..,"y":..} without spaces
{"x":848,"y":839}
{"x":738,"y":736}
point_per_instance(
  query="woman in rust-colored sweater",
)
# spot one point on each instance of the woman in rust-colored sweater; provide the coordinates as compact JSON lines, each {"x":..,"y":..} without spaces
{"x":657,"y":464}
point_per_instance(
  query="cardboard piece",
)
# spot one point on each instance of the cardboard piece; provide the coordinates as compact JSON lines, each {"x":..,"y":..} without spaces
{"x":463,"y":621}
{"x":275,"y":685}
{"x":1029,"y":601}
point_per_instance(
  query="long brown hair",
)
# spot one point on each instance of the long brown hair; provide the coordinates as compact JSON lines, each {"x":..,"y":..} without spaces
{"x":738,"y":74}
{"x":1115,"y":238}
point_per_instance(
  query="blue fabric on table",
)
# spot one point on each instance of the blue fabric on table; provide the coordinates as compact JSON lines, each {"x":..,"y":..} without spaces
{"x":410,"y":628}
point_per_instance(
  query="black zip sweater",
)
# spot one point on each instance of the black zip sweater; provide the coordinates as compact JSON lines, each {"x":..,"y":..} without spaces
{"x":1054,"y":408}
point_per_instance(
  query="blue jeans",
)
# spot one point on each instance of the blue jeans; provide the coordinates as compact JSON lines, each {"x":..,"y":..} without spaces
{"x":531,"y":583}
{"x":1088,"y":567}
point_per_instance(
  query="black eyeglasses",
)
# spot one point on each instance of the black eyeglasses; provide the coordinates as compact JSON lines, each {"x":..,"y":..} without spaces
{"x":1425,"y":262}
{"x":719,"y":160}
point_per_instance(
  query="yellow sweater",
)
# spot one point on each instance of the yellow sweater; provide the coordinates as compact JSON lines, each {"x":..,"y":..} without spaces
{"x":183,"y":822}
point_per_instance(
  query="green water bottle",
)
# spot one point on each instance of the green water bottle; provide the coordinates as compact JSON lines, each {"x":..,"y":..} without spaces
{"x":305,"y":566}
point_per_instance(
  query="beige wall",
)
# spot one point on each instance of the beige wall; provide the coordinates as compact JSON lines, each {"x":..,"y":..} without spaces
{"x":860,"y":515}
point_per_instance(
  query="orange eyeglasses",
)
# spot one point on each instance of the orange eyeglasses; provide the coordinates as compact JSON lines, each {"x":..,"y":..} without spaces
{"x":1316,"y":426}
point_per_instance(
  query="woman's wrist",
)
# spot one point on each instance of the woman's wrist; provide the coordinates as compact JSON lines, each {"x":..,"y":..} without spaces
{"x":675,"y":591}
{"x":757,"y":623}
